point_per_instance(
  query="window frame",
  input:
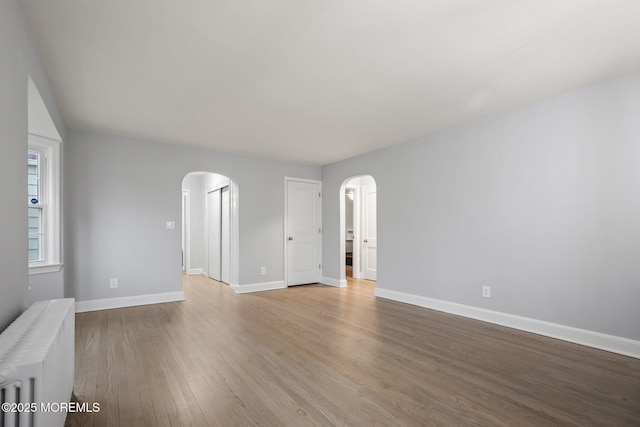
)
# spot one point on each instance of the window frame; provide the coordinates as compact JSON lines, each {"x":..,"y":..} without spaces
{"x":49,"y":203}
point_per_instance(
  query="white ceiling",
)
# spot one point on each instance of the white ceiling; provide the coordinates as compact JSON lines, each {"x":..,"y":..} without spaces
{"x":316,"y":81}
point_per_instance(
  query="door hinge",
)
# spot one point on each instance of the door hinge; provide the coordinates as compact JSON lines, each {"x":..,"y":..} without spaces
{"x":319,"y":266}
{"x":319,"y":230}
{"x":319,"y":194}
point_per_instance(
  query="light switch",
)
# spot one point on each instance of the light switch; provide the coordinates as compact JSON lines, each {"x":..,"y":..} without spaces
{"x":171,"y":225}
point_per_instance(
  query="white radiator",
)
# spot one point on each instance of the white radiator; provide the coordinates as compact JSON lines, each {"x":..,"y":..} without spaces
{"x":36,"y":365}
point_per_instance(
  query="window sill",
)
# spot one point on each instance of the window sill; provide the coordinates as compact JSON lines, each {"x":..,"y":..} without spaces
{"x":43,"y":269}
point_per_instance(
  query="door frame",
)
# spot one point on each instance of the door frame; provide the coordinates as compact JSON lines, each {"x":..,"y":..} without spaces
{"x":357,"y":229}
{"x":186,"y":230}
{"x":288,"y":179}
{"x":357,"y":216}
{"x":225,"y":230}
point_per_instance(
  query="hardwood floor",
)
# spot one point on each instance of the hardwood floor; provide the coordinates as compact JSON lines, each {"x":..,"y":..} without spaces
{"x":318,"y":355}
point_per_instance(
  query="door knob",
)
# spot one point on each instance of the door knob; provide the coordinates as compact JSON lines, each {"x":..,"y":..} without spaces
{"x":290,"y":238}
{"x":365,"y":240}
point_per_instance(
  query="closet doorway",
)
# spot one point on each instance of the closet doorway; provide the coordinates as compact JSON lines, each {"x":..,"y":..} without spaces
{"x":210,"y":243}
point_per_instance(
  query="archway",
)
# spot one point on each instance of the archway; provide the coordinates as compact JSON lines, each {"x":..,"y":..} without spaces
{"x":358,"y":228}
{"x":210,"y":231}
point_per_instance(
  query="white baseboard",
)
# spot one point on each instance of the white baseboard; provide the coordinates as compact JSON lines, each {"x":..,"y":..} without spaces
{"x":258,"y":287}
{"x":122,"y":302}
{"x":195,"y":271}
{"x":614,"y":344}
{"x":334,"y":282}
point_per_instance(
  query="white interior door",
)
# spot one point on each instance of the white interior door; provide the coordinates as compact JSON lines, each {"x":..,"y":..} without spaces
{"x":214,"y":235}
{"x":369,"y":233}
{"x":225,"y":236}
{"x":303,"y":232}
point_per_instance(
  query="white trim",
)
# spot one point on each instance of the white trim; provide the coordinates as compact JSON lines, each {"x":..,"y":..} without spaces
{"x":334,"y":282}
{"x":307,"y":180}
{"x":318,"y":261}
{"x":122,"y":302}
{"x":234,"y":223}
{"x":258,"y":287}
{"x":211,"y":189}
{"x":356,"y":260}
{"x":195,"y":272}
{"x":614,"y":344}
{"x":44,"y":269}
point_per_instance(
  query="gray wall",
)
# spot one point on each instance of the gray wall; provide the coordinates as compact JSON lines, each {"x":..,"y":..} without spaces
{"x":119,"y":194}
{"x":542,"y":203}
{"x":45,"y":286}
{"x":18,"y":60}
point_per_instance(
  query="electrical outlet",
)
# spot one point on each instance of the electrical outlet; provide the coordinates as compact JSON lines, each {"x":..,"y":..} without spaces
{"x":486,"y":291}
{"x":113,"y":283}
{"x":263,"y":270}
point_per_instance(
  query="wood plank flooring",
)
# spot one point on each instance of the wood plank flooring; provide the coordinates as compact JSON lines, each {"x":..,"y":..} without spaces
{"x":317,"y":355}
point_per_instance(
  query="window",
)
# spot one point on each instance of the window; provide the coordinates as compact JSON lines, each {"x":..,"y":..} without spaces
{"x":43,"y":200}
{"x":35,"y":161}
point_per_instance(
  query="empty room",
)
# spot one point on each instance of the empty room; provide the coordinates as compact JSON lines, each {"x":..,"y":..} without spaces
{"x":345,"y":213}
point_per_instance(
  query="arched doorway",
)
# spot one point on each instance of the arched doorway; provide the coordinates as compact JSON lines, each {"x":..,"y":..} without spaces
{"x":358,"y":229}
{"x":210,"y":226}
